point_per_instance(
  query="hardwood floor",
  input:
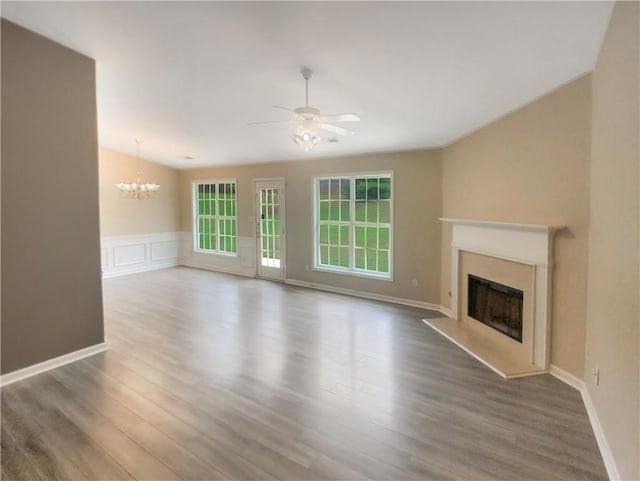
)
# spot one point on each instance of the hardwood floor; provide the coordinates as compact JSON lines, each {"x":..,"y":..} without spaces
{"x":211,"y":376}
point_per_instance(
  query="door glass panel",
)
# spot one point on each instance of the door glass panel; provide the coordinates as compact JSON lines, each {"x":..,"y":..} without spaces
{"x":270,"y":227}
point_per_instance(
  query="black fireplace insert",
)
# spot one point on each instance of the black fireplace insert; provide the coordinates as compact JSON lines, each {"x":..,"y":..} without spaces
{"x":496,"y":305}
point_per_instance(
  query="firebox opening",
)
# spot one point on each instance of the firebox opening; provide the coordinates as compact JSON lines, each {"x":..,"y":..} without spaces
{"x":496,"y":305}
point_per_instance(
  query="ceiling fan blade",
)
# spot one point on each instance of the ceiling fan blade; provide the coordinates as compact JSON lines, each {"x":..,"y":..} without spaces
{"x":334,"y":129}
{"x":296,"y":115}
{"x":274,"y":122}
{"x":339,"y":118}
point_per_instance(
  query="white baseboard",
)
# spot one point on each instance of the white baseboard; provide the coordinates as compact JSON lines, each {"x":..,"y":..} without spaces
{"x":446,"y":311}
{"x":603,"y":444}
{"x":601,"y":439}
{"x":29,"y":371}
{"x":566,"y":377}
{"x":364,"y":295}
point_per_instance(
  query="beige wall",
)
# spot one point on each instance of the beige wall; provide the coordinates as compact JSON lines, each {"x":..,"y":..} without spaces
{"x":121,"y":216}
{"x":532,"y":167}
{"x":51,"y":286}
{"x":613,"y":306}
{"x":417,"y":205}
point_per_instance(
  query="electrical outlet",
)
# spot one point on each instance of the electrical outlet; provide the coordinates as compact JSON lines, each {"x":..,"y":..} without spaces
{"x":597,"y":376}
{"x":414,"y":282}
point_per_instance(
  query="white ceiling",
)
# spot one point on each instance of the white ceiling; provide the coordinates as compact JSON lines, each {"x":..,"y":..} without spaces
{"x":187,"y":77}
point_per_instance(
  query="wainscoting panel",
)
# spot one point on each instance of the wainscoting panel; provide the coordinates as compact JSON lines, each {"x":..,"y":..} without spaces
{"x":247,"y":252}
{"x":128,"y":254}
{"x":243,"y":263}
{"x":164,"y":250}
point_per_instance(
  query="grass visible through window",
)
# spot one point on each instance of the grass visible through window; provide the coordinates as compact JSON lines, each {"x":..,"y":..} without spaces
{"x":361,"y":243}
{"x":216,"y":215}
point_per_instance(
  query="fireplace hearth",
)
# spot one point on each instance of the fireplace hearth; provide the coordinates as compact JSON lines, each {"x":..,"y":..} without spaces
{"x":496,"y":305}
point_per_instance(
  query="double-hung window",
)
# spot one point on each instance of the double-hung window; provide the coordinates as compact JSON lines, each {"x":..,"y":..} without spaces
{"x":354,"y":224}
{"x":215,"y":212}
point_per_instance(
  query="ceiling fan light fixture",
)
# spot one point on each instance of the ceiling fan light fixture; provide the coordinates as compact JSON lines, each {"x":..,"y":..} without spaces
{"x":306,"y":139}
{"x":309,"y":120}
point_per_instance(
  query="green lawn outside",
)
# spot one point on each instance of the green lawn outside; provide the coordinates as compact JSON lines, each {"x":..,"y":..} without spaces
{"x":270,"y":231}
{"x":371,"y":242}
{"x":375,"y":211}
{"x":270,"y":224}
{"x":225,"y":205}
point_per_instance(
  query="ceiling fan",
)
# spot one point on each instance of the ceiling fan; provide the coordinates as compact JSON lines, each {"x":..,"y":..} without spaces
{"x":309,"y":120}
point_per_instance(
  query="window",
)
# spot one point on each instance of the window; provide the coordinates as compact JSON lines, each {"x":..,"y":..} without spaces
{"x":353,"y":224}
{"x":215,"y":226}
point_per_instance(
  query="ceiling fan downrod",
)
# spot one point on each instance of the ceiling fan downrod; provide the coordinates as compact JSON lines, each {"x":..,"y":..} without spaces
{"x":307,"y":74}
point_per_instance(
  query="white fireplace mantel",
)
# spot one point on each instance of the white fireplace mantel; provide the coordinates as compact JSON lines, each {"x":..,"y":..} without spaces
{"x":523,"y":243}
{"x":526,"y":243}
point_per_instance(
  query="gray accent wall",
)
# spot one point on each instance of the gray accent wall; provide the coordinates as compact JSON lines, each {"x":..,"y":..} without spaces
{"x":51,"y":280}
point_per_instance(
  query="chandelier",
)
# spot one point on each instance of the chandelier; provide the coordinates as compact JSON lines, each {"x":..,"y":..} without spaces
{"x":137,"y":190}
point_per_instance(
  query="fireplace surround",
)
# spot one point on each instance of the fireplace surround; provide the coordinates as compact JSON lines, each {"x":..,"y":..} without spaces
{"x":509,"y":256}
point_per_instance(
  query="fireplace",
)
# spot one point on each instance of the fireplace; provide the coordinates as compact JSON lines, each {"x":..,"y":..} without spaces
{"x":496,"y":305}
{"x":501,"y":284}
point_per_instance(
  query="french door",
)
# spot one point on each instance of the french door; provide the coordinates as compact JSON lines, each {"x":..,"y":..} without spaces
{"x":270,"y":228}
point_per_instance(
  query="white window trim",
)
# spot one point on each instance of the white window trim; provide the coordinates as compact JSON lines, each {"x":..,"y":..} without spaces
{"x":350,"y":271}
{"x":194,"y":215}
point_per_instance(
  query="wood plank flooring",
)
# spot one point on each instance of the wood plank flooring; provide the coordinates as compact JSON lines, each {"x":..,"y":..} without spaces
{"x":211,"y":376}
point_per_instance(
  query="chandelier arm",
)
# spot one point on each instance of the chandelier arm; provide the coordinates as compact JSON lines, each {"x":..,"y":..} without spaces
{"x":137,"y":161}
